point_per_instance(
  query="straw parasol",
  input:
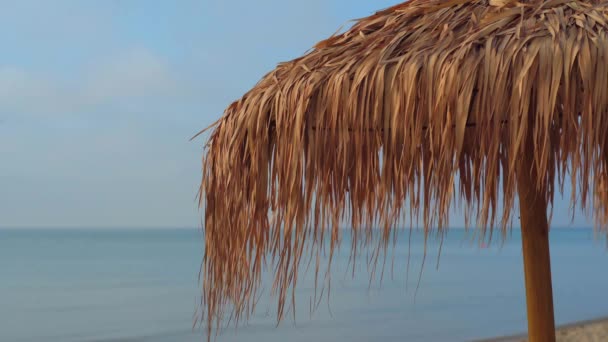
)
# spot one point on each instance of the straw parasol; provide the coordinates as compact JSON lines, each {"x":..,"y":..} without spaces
{"x":415,"y":109}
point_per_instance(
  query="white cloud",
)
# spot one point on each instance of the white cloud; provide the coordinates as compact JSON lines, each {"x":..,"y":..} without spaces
{"x":22,"y":93}
{"x":135,"y":76}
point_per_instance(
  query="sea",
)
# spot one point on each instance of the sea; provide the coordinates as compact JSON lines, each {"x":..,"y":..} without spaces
{"x":109,"y":285}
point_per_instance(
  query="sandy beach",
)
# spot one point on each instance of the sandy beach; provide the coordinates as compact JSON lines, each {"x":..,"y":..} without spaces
{"x":586,"y":331}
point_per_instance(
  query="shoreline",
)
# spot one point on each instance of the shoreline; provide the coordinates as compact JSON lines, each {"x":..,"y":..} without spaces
{"x":584,"y":331}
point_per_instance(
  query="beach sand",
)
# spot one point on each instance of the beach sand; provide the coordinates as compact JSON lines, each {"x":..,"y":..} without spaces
{"x":587,"y":331}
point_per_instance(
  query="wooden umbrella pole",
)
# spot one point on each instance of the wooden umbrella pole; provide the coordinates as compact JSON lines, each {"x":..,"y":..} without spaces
{"x":537,"y":263}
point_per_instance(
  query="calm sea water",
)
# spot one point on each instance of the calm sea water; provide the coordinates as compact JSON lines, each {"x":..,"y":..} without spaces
{"x":142,"y":285}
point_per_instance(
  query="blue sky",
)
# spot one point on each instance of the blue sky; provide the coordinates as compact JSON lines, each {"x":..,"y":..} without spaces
{"x":98,"y":99}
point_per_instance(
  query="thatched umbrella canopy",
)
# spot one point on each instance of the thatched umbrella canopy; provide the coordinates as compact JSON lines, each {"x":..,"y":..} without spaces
{"x":412,"y":109}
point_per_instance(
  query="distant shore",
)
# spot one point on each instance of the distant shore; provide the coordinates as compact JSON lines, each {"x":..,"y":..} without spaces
{"x":595,"y":330}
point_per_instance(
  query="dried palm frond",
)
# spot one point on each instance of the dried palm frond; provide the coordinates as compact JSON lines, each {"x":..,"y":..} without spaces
{"x":414,"y":107}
